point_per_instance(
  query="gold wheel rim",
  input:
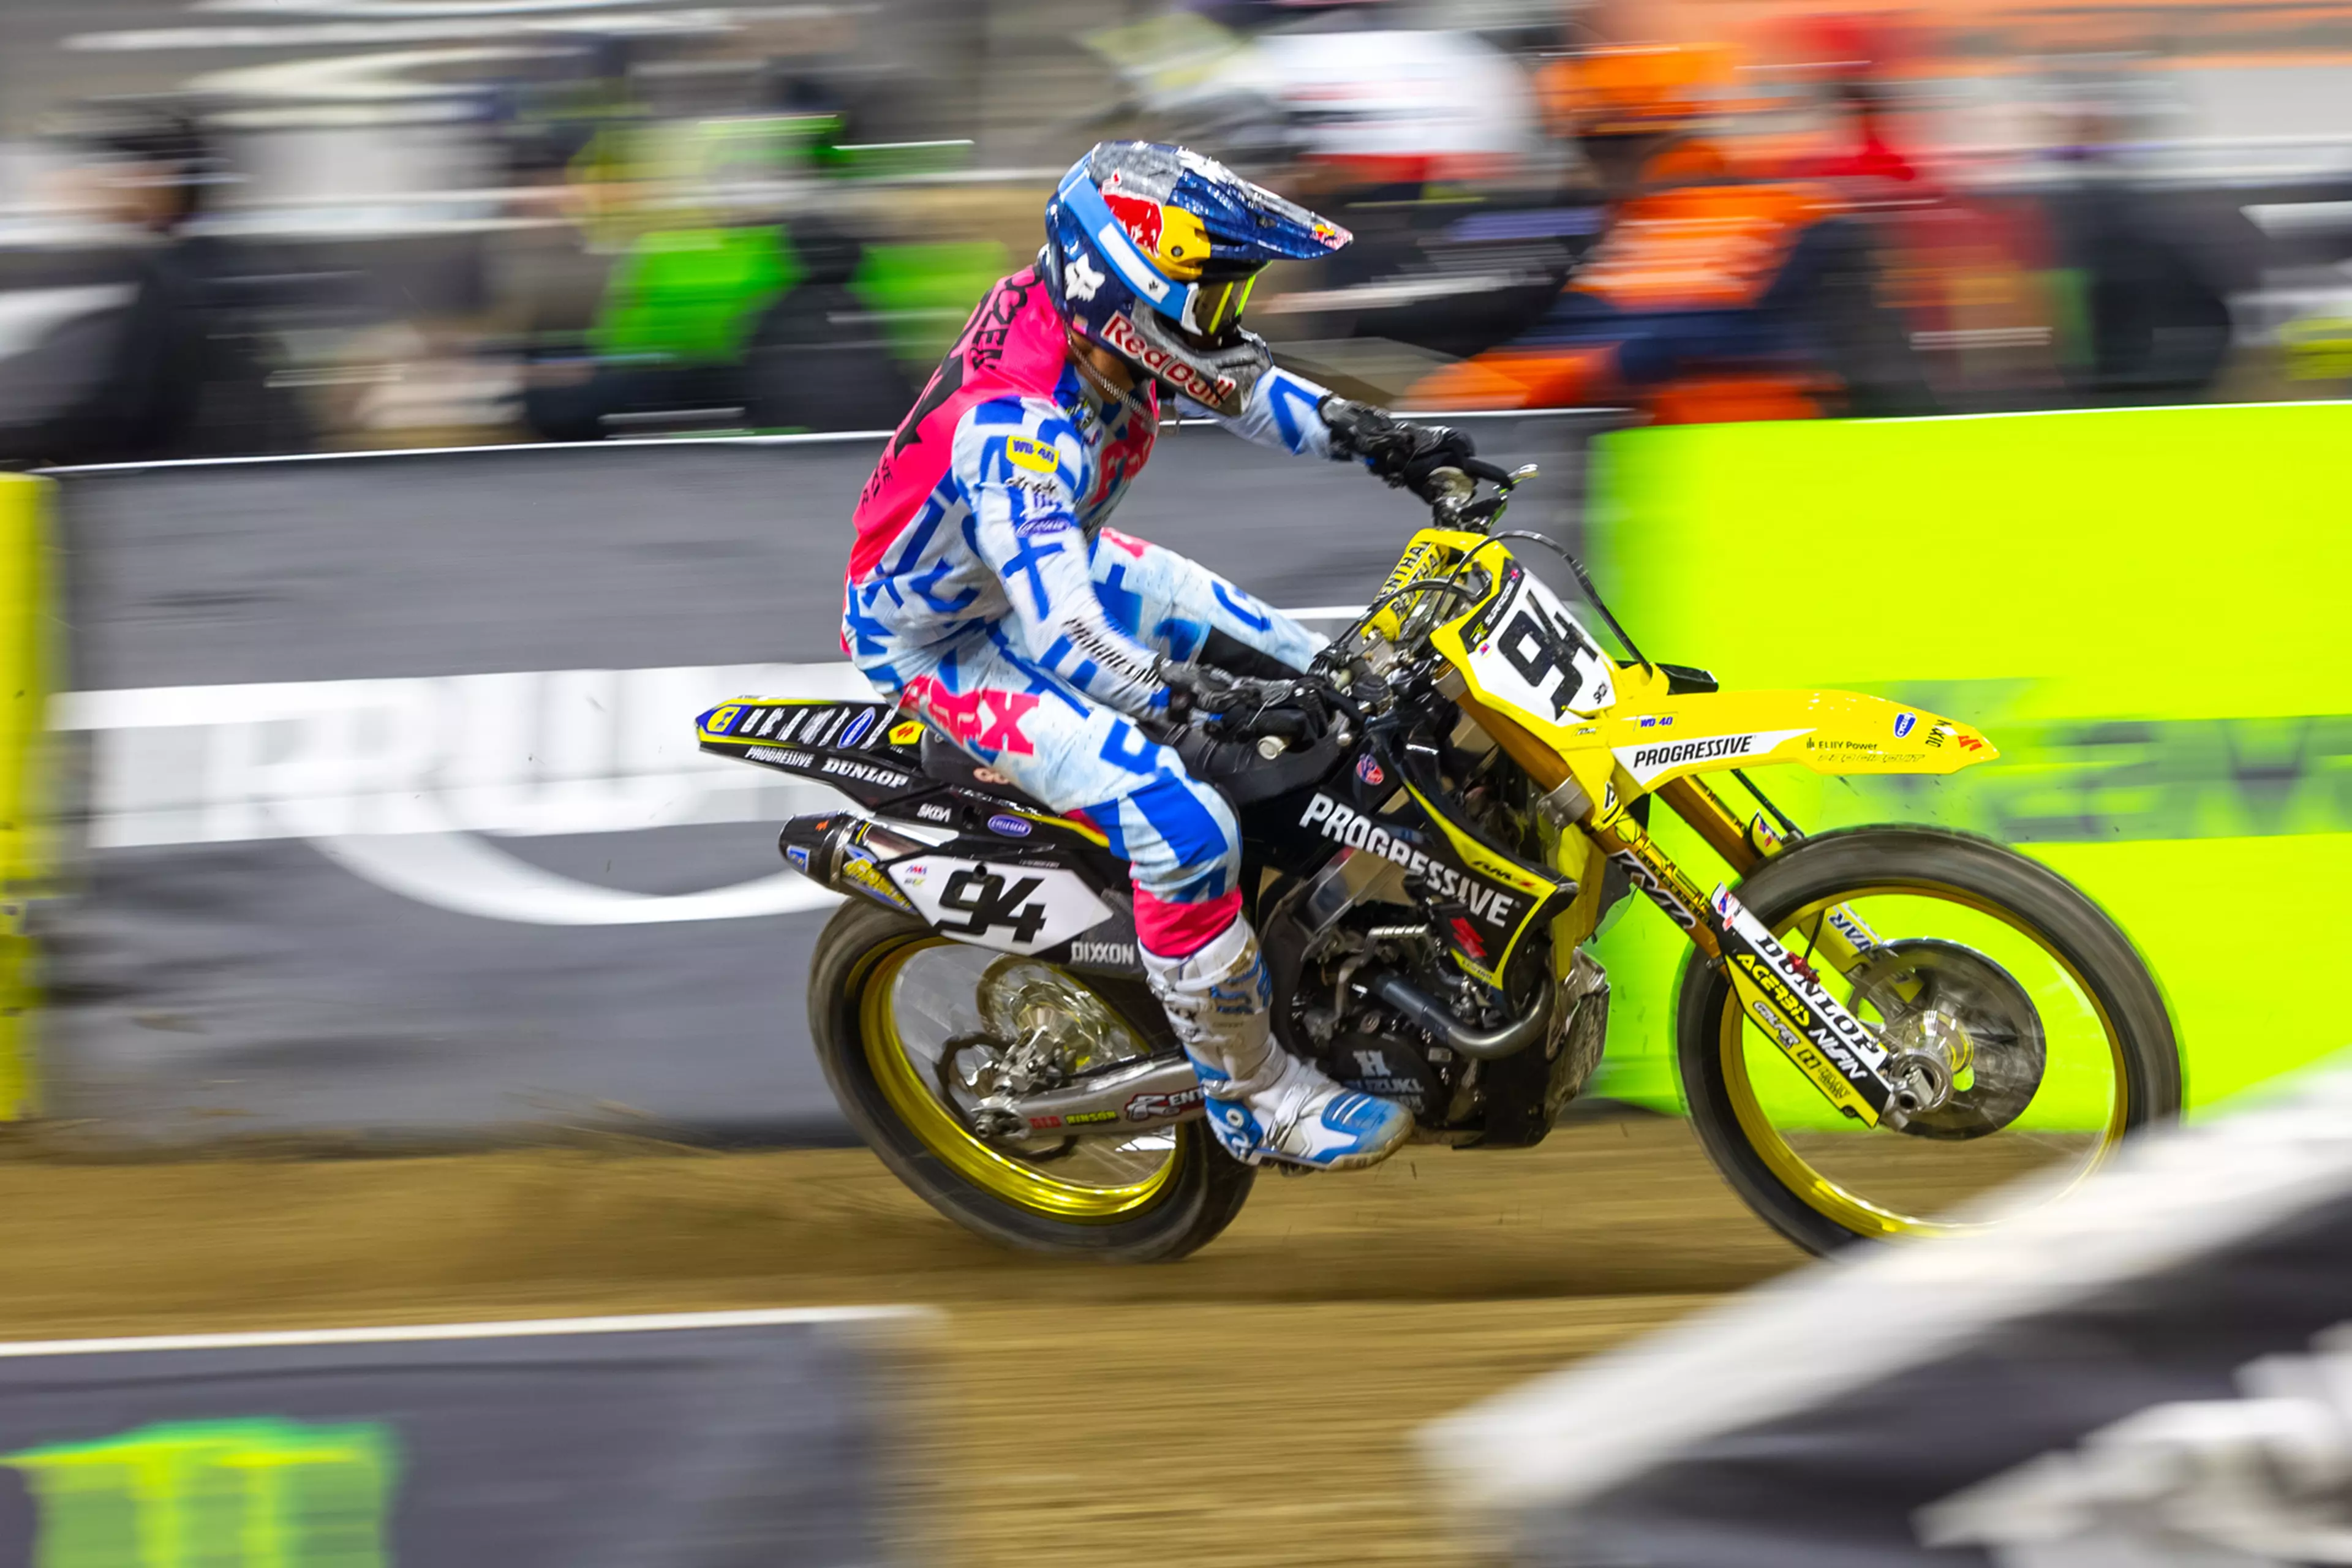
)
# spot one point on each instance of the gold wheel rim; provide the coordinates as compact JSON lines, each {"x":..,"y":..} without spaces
{"x":1825,"y":1196}
{"x":1000,"y":1176}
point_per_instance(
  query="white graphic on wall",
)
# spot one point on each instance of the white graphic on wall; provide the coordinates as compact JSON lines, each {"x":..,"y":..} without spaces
{"x":411,"y":782}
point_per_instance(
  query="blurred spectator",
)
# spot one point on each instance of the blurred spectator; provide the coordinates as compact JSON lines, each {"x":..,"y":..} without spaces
{"x":168,"y":372}
{"x":711,"y":218}
{"x":1712,"y":295}
{"x":2147,"y":304}
{"x":713,"y":307}
{"x":1852,"y":58}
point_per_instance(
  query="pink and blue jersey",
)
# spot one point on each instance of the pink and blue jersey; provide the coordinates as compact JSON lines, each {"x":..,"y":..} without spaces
{"x":987,"y":506}
{"x":985,"y":594}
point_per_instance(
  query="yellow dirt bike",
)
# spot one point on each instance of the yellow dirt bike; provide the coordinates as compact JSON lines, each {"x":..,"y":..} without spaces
{"x":1875,"y":1024}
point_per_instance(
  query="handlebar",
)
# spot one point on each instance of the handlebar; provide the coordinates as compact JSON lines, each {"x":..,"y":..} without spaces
{"x":1452,"y":492}
{"x":1259,"y":751}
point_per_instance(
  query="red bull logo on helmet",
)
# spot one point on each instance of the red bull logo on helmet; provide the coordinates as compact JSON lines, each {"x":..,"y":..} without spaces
{"x":1139,"y":217}
{"x":1173,"y":237}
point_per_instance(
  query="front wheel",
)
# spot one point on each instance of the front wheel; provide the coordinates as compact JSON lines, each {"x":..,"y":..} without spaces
{"x":2057,"y":1037}
{"x":910,"y":1026}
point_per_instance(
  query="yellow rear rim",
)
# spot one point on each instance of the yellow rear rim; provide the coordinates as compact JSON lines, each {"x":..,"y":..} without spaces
{"x":999,"y":1175}
{"x":1826,"y":1196}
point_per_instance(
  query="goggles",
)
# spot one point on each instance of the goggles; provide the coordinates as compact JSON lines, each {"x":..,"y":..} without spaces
{"x":1216,"y":305}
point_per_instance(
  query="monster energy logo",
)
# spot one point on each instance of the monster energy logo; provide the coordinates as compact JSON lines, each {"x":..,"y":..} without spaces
{"x":258,"y":1493}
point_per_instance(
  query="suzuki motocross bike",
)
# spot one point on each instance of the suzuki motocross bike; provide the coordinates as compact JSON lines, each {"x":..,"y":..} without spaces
{"x":1873,"y":1024}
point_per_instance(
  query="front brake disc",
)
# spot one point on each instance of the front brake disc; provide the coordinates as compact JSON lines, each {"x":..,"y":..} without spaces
{"x":1953,"y":1004}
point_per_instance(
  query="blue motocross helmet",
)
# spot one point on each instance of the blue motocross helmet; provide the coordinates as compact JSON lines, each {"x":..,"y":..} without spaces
{"x":1151,"y":251}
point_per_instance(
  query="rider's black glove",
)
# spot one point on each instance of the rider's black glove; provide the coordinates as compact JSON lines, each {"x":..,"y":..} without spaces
{"x":1204,"y":688}
{"x":1245,"y":704}
{"x":1398,"y":450}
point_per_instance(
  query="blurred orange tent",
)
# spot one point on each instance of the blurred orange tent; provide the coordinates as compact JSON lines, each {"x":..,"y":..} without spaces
{"x":1668,"y":310}
{"x":1975,"y":37}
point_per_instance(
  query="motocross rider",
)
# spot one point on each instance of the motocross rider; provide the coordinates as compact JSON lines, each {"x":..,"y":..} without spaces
{"x":985,"y":592}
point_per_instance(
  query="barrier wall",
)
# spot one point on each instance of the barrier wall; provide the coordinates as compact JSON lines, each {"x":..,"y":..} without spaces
{"x":390,"y":818}
{"x":719,"y":1438}
{"x":2144,"y":609}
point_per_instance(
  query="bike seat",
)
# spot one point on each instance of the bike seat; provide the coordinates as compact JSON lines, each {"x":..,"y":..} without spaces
{"x":943,"y":760}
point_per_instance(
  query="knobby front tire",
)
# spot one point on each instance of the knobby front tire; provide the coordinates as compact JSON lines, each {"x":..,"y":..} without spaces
{"x":1825,"y":1186}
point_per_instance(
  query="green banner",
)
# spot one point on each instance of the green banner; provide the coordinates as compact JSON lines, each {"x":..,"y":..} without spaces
{"x":2143,"y":608}
{"x":26,"y":621}
{"x":256,"y":1493}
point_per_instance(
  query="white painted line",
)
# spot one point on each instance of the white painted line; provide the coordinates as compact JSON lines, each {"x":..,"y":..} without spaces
{"x":392,"y":1334}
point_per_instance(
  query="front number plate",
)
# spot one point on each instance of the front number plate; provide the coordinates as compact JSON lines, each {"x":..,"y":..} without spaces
{"x":1528,"y":653}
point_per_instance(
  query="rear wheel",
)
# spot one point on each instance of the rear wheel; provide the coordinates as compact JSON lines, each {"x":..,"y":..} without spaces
{"x":910,"y":1026}
{"x":1990,"y":969}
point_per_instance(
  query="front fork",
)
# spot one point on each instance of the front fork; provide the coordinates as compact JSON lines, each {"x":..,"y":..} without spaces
{"x":1845,"y":939}
{"x":1827,"y":1043}
{"x":1785,"y":997}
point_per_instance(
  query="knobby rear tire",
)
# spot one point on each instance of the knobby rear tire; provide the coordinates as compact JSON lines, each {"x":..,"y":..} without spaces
{"x":1202,"y":1197}
{"x":2102,"y":956}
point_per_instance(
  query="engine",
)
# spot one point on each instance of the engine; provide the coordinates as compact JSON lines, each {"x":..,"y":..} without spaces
{"x":1371,"y":999}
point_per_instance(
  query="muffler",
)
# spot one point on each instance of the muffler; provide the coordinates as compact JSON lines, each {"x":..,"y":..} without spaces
{"x":844,"y":851}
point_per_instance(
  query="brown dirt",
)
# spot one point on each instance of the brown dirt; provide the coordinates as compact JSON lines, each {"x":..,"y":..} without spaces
{"x":1075,"y":1408}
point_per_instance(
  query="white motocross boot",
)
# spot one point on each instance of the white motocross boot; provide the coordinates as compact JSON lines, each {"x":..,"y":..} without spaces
{"x":1263,"y":1103}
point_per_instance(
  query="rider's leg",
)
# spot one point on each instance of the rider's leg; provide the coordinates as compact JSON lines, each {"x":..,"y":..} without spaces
{"x":1171,"y":602}
{"x":1183,"y":851}
{"x":1203,"y":961}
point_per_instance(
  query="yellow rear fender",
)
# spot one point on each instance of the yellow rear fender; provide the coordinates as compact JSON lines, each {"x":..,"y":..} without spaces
{"x":1828,"y":731}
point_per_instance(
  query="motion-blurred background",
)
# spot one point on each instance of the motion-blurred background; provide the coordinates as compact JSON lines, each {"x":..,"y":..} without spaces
{"x":350,"y":807}
{"x":271,"y":226}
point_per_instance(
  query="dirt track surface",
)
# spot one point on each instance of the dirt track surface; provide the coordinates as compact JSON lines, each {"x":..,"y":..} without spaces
{"x":1072,"y":1409}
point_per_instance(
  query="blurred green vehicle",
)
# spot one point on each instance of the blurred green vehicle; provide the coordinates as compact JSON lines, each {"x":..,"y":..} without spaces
{"x":769,"y":327}
{"x":740,"y":292}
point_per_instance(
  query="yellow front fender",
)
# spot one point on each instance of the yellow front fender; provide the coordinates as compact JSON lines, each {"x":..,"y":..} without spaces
{"x":1828,"y":731}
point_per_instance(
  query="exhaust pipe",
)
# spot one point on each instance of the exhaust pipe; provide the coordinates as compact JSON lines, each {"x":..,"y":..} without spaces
{"x":843,"y":851}
{"x":1479,"y":1044}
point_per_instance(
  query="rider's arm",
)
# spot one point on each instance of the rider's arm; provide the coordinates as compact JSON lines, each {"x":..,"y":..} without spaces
{"x":1281,"y":410}
{"x":1293,"y":414}
{"x":1021,"y":466}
